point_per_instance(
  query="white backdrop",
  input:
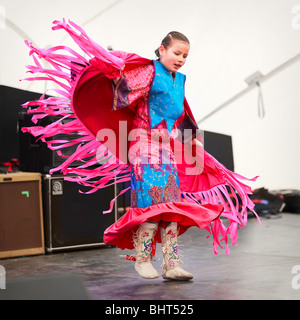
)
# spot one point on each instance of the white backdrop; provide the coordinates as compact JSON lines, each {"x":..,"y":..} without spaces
{"x":230,"y":40}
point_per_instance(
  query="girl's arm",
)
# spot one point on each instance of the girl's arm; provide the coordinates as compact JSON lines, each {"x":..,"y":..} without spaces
{"x":132,"y":85}
{"x":116,"y":80}
{"x":189,"y":130}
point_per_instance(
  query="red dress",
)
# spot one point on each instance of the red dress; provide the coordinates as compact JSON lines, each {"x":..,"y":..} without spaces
{"x":92,"y":103}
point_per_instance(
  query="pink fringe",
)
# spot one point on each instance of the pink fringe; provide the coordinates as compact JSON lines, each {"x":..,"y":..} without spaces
{"x":68,"y":65}
{"x":88,"y":45}
{"x":219,"y":195}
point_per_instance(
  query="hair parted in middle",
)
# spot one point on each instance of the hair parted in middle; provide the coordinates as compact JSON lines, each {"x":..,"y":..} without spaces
{"x":173,"y":35}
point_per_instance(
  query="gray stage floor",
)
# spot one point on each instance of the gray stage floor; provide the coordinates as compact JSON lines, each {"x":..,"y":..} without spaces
{"x":260,"y":266}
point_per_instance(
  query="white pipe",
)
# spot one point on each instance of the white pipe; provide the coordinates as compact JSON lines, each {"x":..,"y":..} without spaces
{"x":250,"y":87}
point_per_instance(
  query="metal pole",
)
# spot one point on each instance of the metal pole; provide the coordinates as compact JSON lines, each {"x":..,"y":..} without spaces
{"x":250,"y":87}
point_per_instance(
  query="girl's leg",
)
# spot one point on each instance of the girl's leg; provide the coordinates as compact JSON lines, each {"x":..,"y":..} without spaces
{"x":171,"y":267}
{"x":143,"y":245}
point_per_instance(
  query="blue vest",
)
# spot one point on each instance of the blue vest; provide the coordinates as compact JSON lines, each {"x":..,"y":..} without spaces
{"x":166,"y":97}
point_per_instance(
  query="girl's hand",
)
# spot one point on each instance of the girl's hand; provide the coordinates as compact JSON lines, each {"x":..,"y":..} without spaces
{"x":197,"y":143}
{"x":116,"y":80}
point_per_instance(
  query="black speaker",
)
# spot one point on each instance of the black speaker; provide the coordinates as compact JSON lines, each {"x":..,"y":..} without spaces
{"x":123,"y":202}
{"x":73,"y":219}
{"x":11,"y":100}
{"x":220,"y":147}
{"x":34,"y":155}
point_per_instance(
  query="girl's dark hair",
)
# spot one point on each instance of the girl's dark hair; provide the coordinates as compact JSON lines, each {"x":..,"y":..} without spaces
{"x":168,"y":39}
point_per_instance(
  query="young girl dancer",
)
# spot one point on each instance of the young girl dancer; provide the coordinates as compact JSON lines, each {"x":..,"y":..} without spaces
{"x":123,"y":93}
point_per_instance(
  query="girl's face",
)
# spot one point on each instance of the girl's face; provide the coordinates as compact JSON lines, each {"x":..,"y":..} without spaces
{"x":174,"y":56}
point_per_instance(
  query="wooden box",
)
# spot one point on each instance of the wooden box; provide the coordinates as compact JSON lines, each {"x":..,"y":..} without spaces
{"x":21,"y":215}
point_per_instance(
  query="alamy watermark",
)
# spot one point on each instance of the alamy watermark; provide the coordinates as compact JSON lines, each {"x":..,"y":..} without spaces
{"x":295,"y":23}
{"x":2,"y":17}
{"x":2,"y":278}
{"x":296,"y":279}
{"x":155,"y":147}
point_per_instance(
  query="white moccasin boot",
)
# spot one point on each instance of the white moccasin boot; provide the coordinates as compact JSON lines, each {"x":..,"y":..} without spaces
{"x":143,"y":245}
{"x":171,"y":267}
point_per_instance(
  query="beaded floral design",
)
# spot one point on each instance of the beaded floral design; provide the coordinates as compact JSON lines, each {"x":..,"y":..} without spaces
{"x":133,"y":199}
{"x":156,"y":194}
{"x":171,"y":190}
{"x":173,"y":254}
{"x":147,"y":249}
